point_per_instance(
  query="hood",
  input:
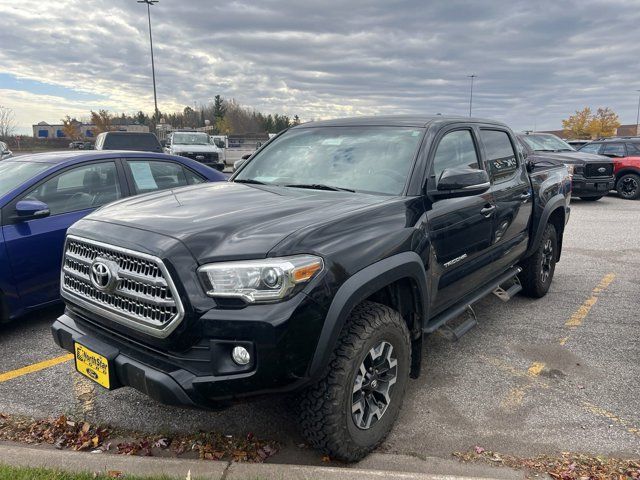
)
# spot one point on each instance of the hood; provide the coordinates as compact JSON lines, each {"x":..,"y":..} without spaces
{"x":577,"y":158}
{"x":194,"y":148}
{"x":225,"y":221}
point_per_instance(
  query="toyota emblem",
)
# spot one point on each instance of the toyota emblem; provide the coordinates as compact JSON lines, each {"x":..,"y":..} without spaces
{"x":101,"y":275}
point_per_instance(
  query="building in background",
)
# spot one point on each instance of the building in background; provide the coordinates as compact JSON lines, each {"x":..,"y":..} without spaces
{"x":44,"y":130}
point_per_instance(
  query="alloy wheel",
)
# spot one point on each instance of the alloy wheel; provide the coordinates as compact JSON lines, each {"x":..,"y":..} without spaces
{"x":629,"y":187}
{"x":376,"y":376}
{"x":547,"y":259}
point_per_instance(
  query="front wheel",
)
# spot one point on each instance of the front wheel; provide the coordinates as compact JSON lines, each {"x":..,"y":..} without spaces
{"x":350,"y":411}
{"x":538,"y":269}
{"x":628,"y":186}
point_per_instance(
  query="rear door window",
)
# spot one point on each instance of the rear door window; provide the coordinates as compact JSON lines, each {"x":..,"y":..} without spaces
{"x":501,"y":156}
{"x":152,"y":175}
{"x":614,"y":150}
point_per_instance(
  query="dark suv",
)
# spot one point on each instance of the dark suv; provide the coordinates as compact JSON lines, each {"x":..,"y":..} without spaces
{"x":625,"y":153}
{"x":136,"y":141}
{"x":592,"y":175}
{"x":317,"y":269}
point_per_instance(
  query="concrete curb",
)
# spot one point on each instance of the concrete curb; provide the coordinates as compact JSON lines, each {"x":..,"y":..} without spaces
{"x":22,"y":456}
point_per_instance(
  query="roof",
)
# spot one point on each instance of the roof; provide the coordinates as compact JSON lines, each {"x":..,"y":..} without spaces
{"x":80,"y":155}
{"x":395,"y":121}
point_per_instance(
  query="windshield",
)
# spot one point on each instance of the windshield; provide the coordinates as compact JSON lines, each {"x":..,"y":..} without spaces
{"x":13,"y":174}
{"x":547,"y":143}
{"x":368,"y":159}
{"x":190,"y":139}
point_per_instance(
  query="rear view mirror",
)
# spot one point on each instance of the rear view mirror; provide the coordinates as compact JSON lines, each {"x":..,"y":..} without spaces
{"x":29,"y":209}
{"x":461,"y":181}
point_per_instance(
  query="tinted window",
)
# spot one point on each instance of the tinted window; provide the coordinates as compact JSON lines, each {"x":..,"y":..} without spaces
{"x":633,"y":149}
{"x":456,"y":149}
{"x":150,"y":175}
{"x":501,"y":157}
{"x":614,"y":149}
{"x":591,"y":148}
{"x":192,"y":177}
{"x":84,"y":187}
{"x":131,"y":141}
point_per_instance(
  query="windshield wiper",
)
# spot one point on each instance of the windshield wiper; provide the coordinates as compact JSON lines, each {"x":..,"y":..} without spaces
{"x":249,"y":180}
{"x":319,"y":186}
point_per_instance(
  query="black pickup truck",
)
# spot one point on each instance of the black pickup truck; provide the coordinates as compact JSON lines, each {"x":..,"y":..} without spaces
{"x":316,"y":270}
{"x":592,"y":175}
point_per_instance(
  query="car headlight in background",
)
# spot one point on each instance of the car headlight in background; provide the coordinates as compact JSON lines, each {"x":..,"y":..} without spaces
{"x":256,"y":281}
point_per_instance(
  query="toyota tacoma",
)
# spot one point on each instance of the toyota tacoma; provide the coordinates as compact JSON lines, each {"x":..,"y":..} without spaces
{"x":316,"y":270}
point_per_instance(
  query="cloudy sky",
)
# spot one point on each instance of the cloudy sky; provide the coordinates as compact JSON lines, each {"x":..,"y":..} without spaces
{"x":536,"y":61}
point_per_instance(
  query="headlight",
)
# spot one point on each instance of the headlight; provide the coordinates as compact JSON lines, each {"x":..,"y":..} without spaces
{"x":257,"y":281}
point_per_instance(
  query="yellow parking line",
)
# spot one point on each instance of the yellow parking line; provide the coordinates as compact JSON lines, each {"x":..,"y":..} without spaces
{"x":516,"y":395}
{"x":579,"y":315}
{"x":535,"y":369}
{"x":36,"y":367}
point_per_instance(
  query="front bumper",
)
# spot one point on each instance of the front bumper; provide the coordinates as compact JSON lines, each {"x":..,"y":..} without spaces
{"x":591,"y":187}
{"x":204,"y":375}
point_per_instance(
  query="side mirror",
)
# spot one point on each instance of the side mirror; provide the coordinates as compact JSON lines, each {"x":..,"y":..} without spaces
{"x":238,"y":163}
{"x":461,"y":182}
{"x":29,"y":209}
{"x":245,"y":157}
{"x":163,"y":143}
{"x":219,"y":143}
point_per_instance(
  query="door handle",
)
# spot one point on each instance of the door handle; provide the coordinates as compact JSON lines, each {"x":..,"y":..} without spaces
{"x":525,"y":196}
{"x":488,"y":211}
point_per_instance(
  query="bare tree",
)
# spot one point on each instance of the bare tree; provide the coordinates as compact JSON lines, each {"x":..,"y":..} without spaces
{"x":7,"y":122}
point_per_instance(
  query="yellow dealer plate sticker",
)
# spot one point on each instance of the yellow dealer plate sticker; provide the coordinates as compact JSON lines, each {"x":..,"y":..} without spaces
{"x":92,"y":365}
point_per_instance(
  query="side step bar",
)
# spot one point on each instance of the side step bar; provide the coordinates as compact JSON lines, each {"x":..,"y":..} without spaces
{"x":471,"y":298}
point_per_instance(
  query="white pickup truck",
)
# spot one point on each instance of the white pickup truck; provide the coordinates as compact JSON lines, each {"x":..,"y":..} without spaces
{"x":197,"y":146}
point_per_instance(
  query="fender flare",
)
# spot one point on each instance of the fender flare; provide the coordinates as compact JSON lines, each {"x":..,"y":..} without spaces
{"x":557,"y":201}
{"x":359,"y":287}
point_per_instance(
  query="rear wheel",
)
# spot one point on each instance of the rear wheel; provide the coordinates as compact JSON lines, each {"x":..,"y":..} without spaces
{"x":628,"y":186}
{"x":351,"y":409}
{"x":538,"y":269}
{"x":591,"y":199}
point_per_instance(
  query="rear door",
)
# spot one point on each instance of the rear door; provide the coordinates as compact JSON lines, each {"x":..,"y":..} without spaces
{"x":34,"y":247}
{"x":149,"y":175}
{"x":461,"y":228}
{"x":512,"y":195}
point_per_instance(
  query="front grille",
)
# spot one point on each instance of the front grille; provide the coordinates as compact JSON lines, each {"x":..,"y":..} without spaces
{"x":591,"y":169}
{"x":140,"y":294}
{"x":202,"y":157}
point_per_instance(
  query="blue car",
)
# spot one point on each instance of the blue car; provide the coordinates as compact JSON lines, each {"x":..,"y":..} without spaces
{"x":42,"y":195}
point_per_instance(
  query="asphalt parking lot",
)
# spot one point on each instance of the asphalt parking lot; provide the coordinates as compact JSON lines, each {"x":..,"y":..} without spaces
{"x":535,"y":376}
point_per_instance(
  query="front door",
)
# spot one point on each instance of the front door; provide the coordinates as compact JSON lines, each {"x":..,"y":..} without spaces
{"x":461,"y":228}
{"x":34,"y":247}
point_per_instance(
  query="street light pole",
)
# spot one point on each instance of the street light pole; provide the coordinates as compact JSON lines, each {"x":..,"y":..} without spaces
{"x":638,"y":116}
{"x":153,"y":67}
{"x":471,"y":95}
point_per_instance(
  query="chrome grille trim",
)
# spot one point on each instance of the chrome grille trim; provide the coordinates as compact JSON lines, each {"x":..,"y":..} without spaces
{"x":145,"y":297}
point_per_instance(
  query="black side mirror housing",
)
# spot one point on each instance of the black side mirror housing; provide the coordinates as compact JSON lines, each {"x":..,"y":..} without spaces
{"x":245,"y":157}
{"x":461,"y":182}
{"x":30,"y":209}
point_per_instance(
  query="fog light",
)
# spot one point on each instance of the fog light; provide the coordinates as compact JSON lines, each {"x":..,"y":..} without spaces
{"x":240,"y":355}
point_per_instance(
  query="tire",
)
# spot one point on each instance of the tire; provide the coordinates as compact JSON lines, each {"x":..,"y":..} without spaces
{"x":591,"y":199}
{"x":628,"y":186}
{"x":329,"y":419}
{"x":538,"y":269}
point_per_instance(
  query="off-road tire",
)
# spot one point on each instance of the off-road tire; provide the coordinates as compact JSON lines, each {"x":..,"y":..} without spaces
{"x":532,"y":277}
{"x":326,"y":418}
{"x":591,"y":199}
{"x":627,"y":181}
